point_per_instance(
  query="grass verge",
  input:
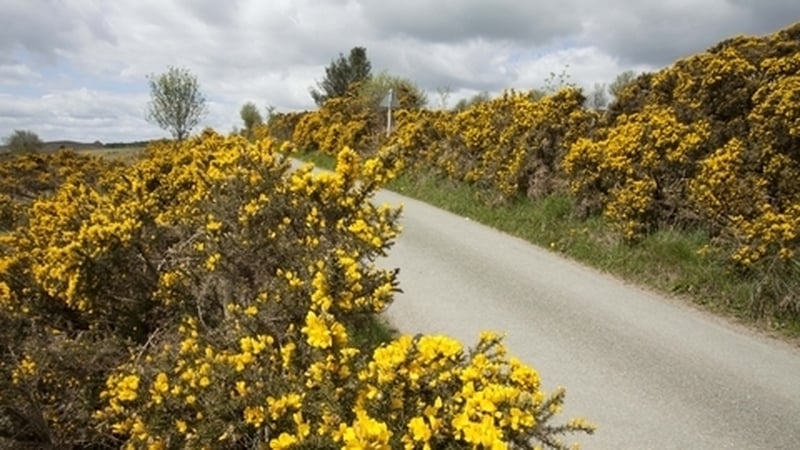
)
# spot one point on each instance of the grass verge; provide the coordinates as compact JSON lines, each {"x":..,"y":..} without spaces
{"x":668,"y":261}
{"x":320,"y":160}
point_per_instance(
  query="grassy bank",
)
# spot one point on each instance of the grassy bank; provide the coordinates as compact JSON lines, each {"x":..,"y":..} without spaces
{"x":667,"y":261}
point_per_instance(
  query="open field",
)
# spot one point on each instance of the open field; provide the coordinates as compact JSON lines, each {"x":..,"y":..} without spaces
{"x":125,"y":154}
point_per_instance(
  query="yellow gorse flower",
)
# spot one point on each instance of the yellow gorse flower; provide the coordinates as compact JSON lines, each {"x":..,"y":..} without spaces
{"x":233,"y":284}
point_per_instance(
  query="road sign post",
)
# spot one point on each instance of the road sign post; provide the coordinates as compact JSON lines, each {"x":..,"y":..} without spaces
{"x":389,"y":102}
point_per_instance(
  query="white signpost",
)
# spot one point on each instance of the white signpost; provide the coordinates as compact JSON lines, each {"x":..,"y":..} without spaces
{"x":389,"y":102}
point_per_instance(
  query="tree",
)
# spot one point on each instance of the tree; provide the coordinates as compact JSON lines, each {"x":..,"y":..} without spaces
{"x":552,"y":84}
{"x":407,"y":94}
{"x":23,"y":141}
{"x":251,"y":118}
{"x":176,"y":103}
{"x":341,"y":74}
{"x":464,"y":103}
{"x":598,"y":97}
{"x":557,"y":81}
{"x":621,"y":81}
{"x":443,"y":92}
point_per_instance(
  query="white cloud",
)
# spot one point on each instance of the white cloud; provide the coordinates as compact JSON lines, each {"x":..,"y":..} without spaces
{"x":583,"y":66}
{"x":80,"y":114}
{"x":16,"y":74}
{"x":77,"y":68}
{"x":530,"y":23}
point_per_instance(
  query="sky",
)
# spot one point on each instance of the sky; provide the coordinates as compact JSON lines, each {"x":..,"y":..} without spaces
{"x":77,"y":69}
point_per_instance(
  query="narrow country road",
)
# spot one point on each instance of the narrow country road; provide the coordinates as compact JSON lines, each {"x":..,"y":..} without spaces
{"x":651,"y":372}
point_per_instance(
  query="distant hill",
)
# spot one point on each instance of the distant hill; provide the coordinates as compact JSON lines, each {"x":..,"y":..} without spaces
{"x":58,"y":145}
{"x":53,"y":146}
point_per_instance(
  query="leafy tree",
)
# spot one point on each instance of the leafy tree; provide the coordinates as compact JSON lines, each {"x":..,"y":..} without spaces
{"x":407,"y":93}
{"x":464,"y":103}
{"x":23,"y":141}
{"x":341,"y":74}
{"x":621,"y":81}
{"x":176,"y":103}
{"x":251,"y":117}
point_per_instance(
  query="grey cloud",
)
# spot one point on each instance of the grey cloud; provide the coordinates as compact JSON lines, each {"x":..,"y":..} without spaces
{"x":13,"y":74}
{"x":658,"y":33}
{"x":529,"y":22}
{"x":272,"y":51}
{"x":42,"y":28}
{"x":213,"y":11}
{"x":476,"y":64}
{"x":764,"y":16}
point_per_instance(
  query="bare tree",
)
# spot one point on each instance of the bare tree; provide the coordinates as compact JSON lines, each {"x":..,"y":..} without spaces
{"x":598,"y":97}
{"x":444,"y":92}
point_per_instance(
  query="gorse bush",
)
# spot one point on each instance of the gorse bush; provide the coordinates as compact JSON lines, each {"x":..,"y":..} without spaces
{"x":206,"y":297}
{"x":24,"y":178}
{"x":708,"y":144}
{"x":636,"y":172}
{"x":279,"y":126}
{"x":345,"y":121}
{"x":511,"y":145}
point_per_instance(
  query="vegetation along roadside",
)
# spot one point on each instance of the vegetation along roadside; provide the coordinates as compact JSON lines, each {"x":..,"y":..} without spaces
{"x":688,"y":182}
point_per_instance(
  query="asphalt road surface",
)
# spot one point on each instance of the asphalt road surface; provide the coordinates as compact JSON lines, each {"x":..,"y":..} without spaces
{"x":651,"y":372}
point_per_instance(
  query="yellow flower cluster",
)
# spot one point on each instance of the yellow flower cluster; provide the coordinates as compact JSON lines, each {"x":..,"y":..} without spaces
{"x":636,"y":169}
{"x":420,"y":392}
{"x":749,"y":187}
{"x":340,"y":122}
{"x":770,"y":232}
{"x":480,"y":398}
{"x":510,"y":145}
{"x":25,"y":177}
{"x":198,"y":260}
{"x":258,"y":348}
{"x":25,"y":370}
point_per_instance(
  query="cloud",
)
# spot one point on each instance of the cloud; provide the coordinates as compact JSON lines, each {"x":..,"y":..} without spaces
{"x":80,"y":67}
{"x":584,"y":66}
{"x":16,"y":74}
{"x":44,"y":30}
{"x":657,"y":33}
{"x":81,"y":114}
{"x":452,"y":21}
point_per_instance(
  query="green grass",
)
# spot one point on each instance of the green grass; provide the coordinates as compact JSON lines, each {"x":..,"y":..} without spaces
{"x":668,"y":261}
{"x":320,"y":160}
{"x":371,"y":333}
